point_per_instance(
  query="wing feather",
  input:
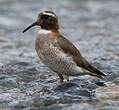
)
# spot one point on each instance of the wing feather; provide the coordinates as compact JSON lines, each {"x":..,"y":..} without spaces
{"x":69,"y":48}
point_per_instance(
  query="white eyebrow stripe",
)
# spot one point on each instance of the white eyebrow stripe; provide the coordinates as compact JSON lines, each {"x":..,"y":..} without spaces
{"x":50,"y":14}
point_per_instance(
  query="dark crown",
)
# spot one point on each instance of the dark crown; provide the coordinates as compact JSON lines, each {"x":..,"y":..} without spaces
{"x":48,"y":20}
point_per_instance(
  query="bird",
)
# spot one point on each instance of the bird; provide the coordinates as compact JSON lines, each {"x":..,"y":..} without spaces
{"x":58,"y":53}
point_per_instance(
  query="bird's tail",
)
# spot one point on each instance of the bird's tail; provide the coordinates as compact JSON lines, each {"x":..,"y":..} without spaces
{"x":95,"y":72}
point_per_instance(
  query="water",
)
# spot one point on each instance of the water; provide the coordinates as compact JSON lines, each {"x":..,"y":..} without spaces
{"x":92,"y":25}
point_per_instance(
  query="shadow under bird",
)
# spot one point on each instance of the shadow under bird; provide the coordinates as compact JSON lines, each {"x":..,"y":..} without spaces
{"x":58,"y":53}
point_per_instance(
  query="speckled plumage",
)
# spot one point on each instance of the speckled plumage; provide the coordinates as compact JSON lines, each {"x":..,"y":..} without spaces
{"x":52,"y":55}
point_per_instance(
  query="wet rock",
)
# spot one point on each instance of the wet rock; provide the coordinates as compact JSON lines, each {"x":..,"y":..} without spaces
{"x":9,"y":83}
{"x":89,"y":86}
{"x":81,"y":106}
{"x":53,"y":107}
{"x":108,"y":93}
{"x":13,"y":68}
{"x":66,"y":86}
{"x":32,"y":108}
{"x":80,"y":92}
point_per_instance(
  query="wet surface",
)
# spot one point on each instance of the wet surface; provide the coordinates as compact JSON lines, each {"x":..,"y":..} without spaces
{"x":26,"y":84}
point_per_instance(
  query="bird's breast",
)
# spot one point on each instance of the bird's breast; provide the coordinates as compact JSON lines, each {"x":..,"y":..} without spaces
{"x":52,"y":56}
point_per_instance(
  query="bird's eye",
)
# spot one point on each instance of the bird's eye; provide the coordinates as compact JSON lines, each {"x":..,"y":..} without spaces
{"x":46,"y":16}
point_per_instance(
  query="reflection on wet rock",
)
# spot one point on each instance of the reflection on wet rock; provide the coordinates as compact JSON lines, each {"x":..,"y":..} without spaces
{"x":66,"y":86}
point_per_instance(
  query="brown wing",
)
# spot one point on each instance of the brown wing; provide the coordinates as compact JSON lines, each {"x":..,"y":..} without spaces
{"x":70,"y":49}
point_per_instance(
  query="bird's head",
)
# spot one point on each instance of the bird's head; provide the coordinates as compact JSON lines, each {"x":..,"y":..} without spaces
{"x":46,"y":20}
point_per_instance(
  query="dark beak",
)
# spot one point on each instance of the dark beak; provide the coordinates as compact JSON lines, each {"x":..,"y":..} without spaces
{"x":32,"y":25}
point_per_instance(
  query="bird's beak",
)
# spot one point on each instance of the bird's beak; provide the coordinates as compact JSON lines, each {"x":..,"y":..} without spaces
{"x":32,"y":25}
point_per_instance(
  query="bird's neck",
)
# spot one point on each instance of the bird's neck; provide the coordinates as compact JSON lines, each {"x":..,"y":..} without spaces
{"x":44,"y":31}
{"x":54,"y":33}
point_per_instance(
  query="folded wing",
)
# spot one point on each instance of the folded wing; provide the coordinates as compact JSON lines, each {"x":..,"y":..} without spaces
{"x":67,"y":47}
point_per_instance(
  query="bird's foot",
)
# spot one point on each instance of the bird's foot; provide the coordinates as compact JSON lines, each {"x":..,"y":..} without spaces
{"x":67,"y":78}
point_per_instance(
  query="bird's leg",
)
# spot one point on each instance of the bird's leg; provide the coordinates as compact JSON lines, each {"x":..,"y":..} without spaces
{"x":61,"y":78}
{"x":67,"y":78}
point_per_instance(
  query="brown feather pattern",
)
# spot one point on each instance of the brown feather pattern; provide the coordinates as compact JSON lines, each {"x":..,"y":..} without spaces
{"x":69,"y":48}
